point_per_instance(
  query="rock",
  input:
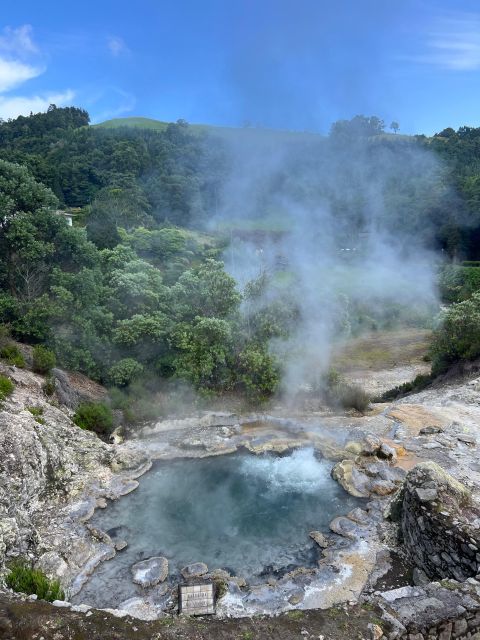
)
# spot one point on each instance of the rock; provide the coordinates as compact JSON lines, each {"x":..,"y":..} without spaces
{"x":343,"y":527}
{"x":360,"y":516}
{"x":375,"y":631}
{"x":148,"y":573}
{"x":383,"y":487}
{"x":52,"y":565}
{"x":467,"y":439}
{"x":296,"y":597}
{"x":426,"y":495}
{"x":81,"y":608}
{"x":354,"y":481}
{"x":194,"y":570}
{"x":432,"y":445}
{"x":429,"y":430}
{"x":371,"y":444}
{"x":319,"y":538}
{"x":61,"y":604}
{"x":419,"y":577}
{"x":120,"y":545}
{"x":386,"y":451}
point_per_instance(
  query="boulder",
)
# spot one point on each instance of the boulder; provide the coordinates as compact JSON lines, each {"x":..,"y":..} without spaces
{"x":194,"y":570}
{"x":148,"y":573}
{"x":344,"y":527}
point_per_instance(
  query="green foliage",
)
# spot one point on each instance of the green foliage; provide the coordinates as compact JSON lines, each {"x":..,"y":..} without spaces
{"x":6,"y":387}
{"x":43,"y":359}
{"x":458,"y":283}
{"x":22,"y":578}
{"x":420,"y":382}
{"x":12,"y":355}
{"x":258,"y":373}
{"x":457,"y":337}
{"x":94,"y":416}
{"x":35,"y":411}
{"x":125,"y":371}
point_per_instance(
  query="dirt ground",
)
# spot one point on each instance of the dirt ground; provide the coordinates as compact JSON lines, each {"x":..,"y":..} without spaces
{"x":37,"y":620}
{"x":385,"y":359}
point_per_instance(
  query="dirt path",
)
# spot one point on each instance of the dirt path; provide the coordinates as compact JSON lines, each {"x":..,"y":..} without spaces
{"x":35,"y":620}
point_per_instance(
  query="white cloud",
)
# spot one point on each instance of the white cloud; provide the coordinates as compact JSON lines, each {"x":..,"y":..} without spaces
{"x":20,"y":61}
{"x":14,"y":72}
{"x":117,"y":46}
{"x":453,"y":42}
{"x":13,"y":106}
{"x":18,"y":41}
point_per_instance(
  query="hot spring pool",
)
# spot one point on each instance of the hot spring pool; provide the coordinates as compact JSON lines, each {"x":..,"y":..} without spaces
{"x":249,"y":514}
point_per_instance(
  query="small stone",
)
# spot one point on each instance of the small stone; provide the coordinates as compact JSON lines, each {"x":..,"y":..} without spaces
{"x":194,"y":570}
{"x":81,"y":608}
{"x":148,"y":573}
{"x":467,"y":439}
{"x":101,"y":503}
{"x":61,"y":603}
{"x":429,"y":430}
{"x":296,"y":597}
{"x":432,"y":445}
{"x":375,"y":631}
{"x":358,"y":515}
{"x":319,"y":538}
{"x":386,"y":451}
{"x":120,"y":545}
{"x":32,"y":596}
{"x":426,"y":495}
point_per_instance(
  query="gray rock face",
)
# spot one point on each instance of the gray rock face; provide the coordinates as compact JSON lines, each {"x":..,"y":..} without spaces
{"x":148,"y":573}
{"x":195,"y":570}
{"x":40,"y":466}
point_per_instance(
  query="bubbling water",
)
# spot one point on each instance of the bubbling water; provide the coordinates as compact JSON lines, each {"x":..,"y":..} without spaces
{"x":249,"y":514}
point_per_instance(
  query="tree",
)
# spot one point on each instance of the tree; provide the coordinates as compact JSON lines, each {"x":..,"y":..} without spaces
{"x":394,"y":126}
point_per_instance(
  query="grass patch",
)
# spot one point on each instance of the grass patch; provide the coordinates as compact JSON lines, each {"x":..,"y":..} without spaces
{"x":22,"y":578}
{"x":295,"y":615}
{"x":6,"y":387}
{"x":12,"y":355}
{"x":35,"y":411}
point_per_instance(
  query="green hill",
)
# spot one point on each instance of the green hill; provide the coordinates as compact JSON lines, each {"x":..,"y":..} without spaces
{"x":138,"y":122}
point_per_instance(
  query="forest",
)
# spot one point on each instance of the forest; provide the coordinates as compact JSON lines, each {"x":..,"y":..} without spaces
{"x":135,"y":293}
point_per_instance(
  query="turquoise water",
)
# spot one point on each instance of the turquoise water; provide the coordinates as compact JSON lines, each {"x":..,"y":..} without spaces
{"x":249,"y":514}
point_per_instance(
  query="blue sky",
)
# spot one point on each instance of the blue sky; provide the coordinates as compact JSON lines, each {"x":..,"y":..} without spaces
{"x":290,"y":64}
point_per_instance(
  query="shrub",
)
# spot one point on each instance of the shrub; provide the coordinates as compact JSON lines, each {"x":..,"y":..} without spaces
{"x":457,"y":337}
{"x":6,"y":387}
{"x":48,"y":387}
{"x":22,"y":578}
{"x":350,"y":396}
{"x":342,"y":394}
{"x":124,"y":372}
{"x":12,"y":355}
{"x":43,"y":359}
{"x":94,"y":416}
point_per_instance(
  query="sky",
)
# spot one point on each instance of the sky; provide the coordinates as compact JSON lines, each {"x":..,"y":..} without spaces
{"x":287,"y":64}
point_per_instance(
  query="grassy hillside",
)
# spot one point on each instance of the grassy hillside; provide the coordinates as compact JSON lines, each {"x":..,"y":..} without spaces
{"x":158,"y":125}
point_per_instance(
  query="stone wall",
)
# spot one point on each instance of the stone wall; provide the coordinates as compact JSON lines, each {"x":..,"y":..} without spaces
{"x":445,"y":611}
{"x":440,"y":524}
